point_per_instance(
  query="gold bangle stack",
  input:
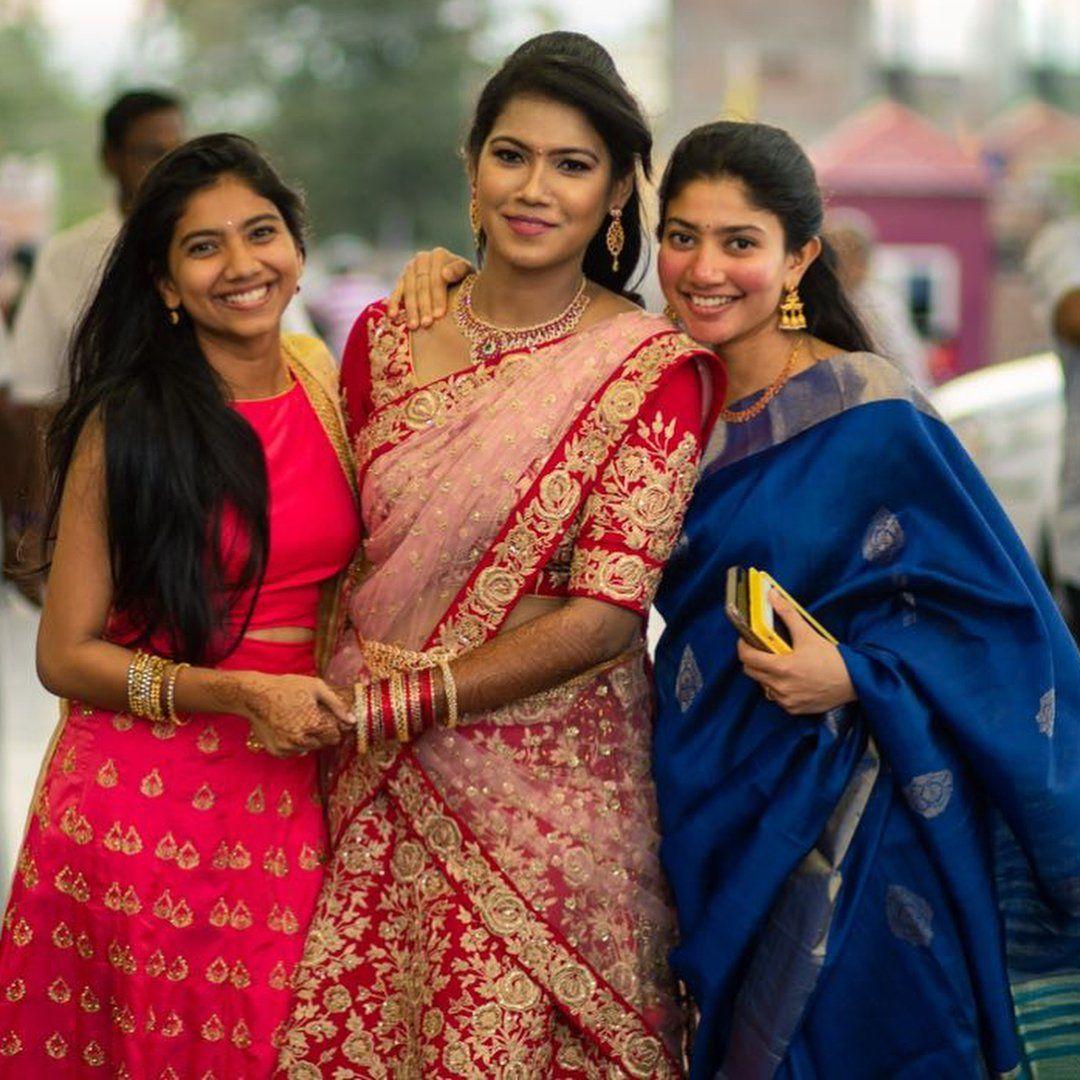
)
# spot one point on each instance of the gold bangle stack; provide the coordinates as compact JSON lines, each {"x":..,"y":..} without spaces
{"x":151,"y":687}
{"x":449,"y":692}
{"x":170,"y":695}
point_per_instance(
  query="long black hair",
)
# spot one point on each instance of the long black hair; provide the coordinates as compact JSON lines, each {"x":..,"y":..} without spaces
{"x":574,"y":70}
{"x":777,"y":177}
{"x":176,"y":454}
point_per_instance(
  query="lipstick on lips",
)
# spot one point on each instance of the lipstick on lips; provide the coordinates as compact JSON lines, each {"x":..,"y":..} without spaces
{"x":527,"y":226}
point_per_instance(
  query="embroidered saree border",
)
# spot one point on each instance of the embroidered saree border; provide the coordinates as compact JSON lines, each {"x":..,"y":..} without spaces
{"x":399,"y":415}
{"x":534,"y":530}
{"x":585,"y":998}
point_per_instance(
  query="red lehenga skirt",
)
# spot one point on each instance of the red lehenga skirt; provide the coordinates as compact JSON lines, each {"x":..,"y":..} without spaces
{"x":161,"y":897}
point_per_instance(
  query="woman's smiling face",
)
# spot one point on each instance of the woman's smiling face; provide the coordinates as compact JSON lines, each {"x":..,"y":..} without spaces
{"x":543,"y":183}
{"x":723,"y":262}
{"x":233,"y":264}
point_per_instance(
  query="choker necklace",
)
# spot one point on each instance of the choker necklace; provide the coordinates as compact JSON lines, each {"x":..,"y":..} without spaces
{"x":487,"y":340}
{"x":740,"y":416}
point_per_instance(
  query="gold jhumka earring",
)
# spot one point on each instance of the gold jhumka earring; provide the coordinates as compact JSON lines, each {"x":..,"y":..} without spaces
{"x":673,"y":315}
{"x":474,"y":220}
{"x":174,"y":316}
{"x":616,"y":237}
{"x":792,"y":316}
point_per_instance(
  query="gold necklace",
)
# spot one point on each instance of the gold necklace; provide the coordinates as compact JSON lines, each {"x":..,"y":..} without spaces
{"x":740,"y":416}
{"x":487,"y":340}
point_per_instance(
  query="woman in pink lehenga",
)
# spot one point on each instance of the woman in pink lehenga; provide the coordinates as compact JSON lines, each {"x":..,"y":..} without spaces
{"x":202,"y":481}
{"x":494,"y":906}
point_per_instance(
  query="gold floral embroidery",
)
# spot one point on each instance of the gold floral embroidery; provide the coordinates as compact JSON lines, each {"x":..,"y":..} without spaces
{"x":388,"y":355}
{"x":544,"y":517}
{"x":71,"y":884}
{"x":616,"y":575}
{"x":10,"y":1045}
{"x":56,"y":1046}
{"x":204,"y":798}
{"x":76,"y":827}
{"x":401,"y":408}
{"x":151,"y":785}
{"x":208,"y":740}
{"x":107,"y":775}
{"x":642,"y":495}
{"x":27,"y":869}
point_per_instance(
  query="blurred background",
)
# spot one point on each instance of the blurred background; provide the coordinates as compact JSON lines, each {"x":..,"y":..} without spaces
{"x":947,"y":135}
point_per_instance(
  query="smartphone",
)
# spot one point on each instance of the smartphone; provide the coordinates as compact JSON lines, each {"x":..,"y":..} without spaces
{"x":749,"y":607}
{"x":737,"y":606}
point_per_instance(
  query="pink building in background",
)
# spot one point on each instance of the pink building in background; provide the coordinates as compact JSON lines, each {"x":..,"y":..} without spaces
{"x":929,"y":202}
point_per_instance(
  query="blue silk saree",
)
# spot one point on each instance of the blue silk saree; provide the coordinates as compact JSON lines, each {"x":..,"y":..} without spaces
{"x":891,"y":890}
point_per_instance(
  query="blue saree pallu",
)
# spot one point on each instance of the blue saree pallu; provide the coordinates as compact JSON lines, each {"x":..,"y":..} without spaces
{"x":891,"y":890}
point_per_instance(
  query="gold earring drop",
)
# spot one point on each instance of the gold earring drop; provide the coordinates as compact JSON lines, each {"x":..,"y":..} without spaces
{"x":474,"y":221}
{"x":673,"y":315}
{"x":616,"y":237}
{"x":174,"y":316}
{"x":792,"y":316}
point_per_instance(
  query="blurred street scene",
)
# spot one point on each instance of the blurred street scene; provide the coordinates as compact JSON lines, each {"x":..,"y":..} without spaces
{"x":947,"y":137}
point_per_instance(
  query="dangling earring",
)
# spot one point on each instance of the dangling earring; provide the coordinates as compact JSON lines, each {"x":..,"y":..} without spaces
{"x":174,"y":316}
{"x":791,"y":311}
{"x":616,"y":237}
{"x":474,"y":221}
{"x":673,"y":315}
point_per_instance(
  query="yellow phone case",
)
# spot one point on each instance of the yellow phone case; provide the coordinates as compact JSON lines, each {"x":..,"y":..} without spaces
{"x":761,"y":612}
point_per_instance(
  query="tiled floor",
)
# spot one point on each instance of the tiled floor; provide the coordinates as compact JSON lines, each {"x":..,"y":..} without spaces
{"x":27,"y":717}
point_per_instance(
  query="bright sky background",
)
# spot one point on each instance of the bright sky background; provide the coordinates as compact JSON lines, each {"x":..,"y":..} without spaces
{"x":91,"y":37}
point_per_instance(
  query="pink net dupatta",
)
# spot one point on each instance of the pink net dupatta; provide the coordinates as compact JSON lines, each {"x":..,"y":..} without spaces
{"x":539,"y":817}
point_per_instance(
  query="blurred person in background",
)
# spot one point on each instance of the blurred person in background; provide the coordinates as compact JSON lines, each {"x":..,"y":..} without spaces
{"x":342,"y":284}
{"x":1053,"y":266}
{"x":138,"y":129}
{"x":882,"y":308}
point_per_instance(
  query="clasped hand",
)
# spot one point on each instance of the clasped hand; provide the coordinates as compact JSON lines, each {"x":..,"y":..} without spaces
{"x":292,"y":714}
{"x":811,"y":679}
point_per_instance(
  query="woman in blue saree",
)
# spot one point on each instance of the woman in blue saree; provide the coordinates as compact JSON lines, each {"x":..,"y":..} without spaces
{"x":875,"y":848}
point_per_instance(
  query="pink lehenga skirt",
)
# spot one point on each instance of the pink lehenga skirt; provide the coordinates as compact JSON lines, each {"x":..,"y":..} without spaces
{"x":161,"y":897}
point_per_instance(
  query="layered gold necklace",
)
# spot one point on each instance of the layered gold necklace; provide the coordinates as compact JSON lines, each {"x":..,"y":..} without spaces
{"x":741,"y":416}
{"x":487,"y":340}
